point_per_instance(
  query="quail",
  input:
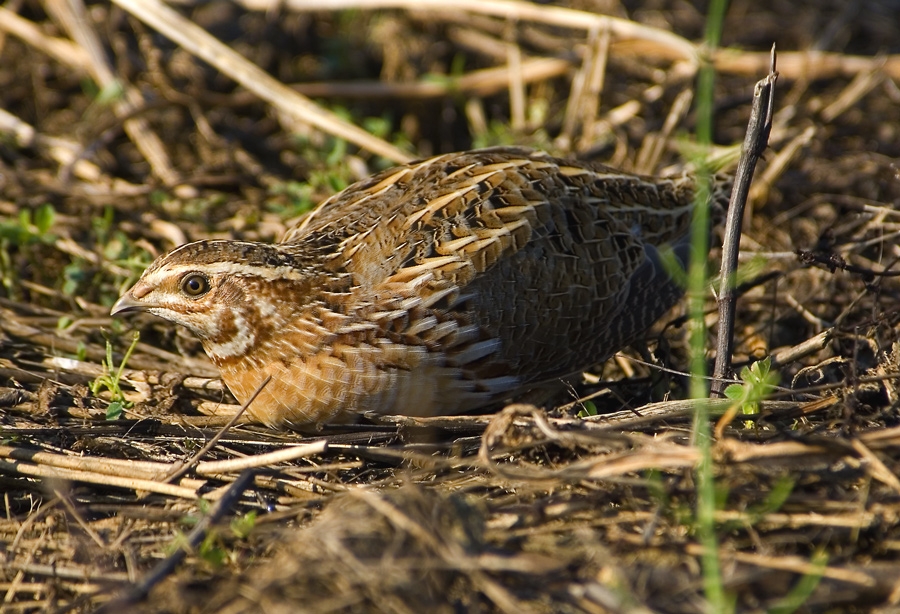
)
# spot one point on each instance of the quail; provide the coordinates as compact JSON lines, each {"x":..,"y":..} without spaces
{"x":433,"y":288}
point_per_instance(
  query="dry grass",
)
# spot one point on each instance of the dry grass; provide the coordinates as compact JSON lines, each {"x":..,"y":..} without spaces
{"x":136,"y":145}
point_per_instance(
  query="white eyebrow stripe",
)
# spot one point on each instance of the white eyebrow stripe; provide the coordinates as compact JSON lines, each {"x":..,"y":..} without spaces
{"x":268,"y":273}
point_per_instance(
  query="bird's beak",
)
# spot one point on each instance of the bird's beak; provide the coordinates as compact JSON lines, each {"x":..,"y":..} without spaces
{"x":130,"y":301}
{"x":126,"y":302}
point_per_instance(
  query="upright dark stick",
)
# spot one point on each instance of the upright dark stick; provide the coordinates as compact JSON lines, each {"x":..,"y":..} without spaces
{"x":755,"y":142}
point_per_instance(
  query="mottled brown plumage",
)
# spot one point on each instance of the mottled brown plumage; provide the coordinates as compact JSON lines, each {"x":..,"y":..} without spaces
{"x":432,"y":288}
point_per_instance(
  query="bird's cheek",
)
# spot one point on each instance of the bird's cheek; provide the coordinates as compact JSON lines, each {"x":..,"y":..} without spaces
{"x":187,"y":320}
{"x":195,"y":317}
{"x":206,"y":324}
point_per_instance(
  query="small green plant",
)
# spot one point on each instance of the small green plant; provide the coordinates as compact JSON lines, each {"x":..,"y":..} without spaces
{"x":501,"y":133}
{"x":85,"y":279}
{"x":214,"y":550}
{"x":776,"y":498}
{"x":675,"y":269}
{"x":103,"y":98}
{"x":29,"y":228}
{"x":242,"y":526}
{"x":681,"y":513}
{"x":210,"y":550}
{"x":773,"y":501}
{"x":714,"y":590}
{"x":757,"y":381}
{"x":587,"y":409}
{"x":113,"y":92}
{"x":804,"y":588}
{"x":329,"y":172}
{"x":111,"y":378}
{"x":291,"y":198}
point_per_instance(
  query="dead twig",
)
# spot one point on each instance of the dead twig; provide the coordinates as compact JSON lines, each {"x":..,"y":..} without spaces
{"x":73,"y":15}
{"x":755,"y":143}
{"x":194,"y":538}
{"x":198,"y":41}
{"x":833,"y":262}
{"x":184,"y":468}
{"x":666,"y":42}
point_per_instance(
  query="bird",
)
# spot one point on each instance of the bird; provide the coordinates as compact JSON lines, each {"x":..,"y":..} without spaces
{"x":438,"y":287}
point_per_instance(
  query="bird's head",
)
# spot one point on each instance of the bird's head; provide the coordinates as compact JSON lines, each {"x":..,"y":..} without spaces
{"x":229,"y":293}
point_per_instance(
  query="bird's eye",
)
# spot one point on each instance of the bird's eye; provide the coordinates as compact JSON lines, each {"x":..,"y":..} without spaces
{"x":194,"y":285}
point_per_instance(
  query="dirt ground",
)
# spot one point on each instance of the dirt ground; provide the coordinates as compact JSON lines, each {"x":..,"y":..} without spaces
{"x":119,"y":143}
